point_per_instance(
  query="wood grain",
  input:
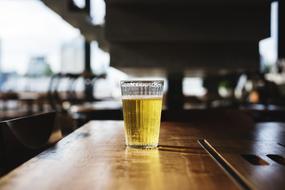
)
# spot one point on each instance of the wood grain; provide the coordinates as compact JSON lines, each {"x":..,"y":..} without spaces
{"x":251,"y":161}
{"x":95,"y":157}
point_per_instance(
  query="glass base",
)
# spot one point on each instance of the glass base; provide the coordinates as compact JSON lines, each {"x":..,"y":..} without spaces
{"x":142,"y":146}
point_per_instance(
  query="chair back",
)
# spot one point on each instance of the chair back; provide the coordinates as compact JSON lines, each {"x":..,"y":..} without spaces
{"x":25,"y":137}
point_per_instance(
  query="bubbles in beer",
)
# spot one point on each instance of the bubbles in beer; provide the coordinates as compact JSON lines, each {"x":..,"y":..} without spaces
{"x":142,"y":120}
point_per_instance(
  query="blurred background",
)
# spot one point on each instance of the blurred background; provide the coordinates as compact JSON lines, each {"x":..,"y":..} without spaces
{"x":70,"y":55}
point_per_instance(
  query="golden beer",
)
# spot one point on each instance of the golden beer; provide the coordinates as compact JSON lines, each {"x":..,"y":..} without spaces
{"x":142,"y":120}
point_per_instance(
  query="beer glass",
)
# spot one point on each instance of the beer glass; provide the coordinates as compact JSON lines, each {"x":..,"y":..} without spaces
{"x":142,"y":103}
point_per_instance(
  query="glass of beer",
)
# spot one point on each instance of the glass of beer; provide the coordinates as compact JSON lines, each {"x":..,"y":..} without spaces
{"x":142,"y":103}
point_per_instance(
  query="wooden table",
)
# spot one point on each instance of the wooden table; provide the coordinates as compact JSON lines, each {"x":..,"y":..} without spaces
{"x":95,"y":157}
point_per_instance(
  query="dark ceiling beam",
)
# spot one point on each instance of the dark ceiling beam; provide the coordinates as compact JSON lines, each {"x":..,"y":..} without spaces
{"x":281,"y":29}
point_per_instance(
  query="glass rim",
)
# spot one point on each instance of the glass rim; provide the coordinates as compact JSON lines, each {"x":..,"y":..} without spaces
{"x":142,"y":81}
{"x":137,"y":87}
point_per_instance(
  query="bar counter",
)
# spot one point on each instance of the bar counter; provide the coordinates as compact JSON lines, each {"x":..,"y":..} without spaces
{"x":189,"y":156}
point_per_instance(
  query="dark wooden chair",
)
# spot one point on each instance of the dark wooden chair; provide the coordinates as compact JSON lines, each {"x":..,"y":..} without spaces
{"x":23,"y":138}
{"x":2,"y":158}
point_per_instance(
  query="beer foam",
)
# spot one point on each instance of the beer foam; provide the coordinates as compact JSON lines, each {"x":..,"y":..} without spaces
{"x":142,"y":97}
{"x":142,"y":83}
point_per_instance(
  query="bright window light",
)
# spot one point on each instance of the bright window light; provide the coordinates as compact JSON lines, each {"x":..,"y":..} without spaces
{"x":28,"y":29}
{"x":79,"y":3}
{"x":98,"y":11}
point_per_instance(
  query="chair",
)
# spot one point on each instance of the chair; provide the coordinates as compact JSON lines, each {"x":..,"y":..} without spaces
{"x":2,"y":169}
{"x":24,"y":138}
